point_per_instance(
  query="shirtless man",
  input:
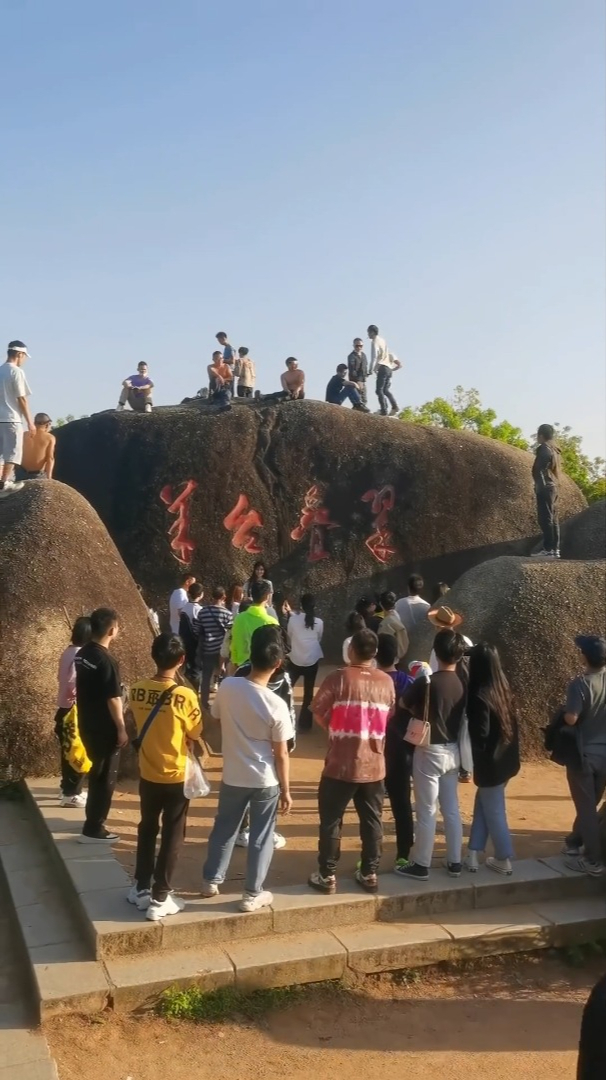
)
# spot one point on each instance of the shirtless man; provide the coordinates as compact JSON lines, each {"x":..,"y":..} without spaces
{"x":38,"y":460}
{"x":293,"y":380}
{"x":137,"y":390}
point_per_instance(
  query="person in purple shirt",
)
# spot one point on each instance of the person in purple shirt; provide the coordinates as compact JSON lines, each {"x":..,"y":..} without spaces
{"x":137,"y":391}
{"x":398,"y":754}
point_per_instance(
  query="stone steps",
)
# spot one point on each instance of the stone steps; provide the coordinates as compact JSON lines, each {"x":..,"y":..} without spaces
{"x":89,"y":949}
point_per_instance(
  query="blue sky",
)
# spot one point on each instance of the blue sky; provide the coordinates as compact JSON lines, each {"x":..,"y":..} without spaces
{"x":291,"y":170}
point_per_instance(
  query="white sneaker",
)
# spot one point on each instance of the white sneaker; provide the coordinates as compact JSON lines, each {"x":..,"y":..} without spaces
{"x":243,"y":838}
{"x":500,"y":866}
{"x":279,"y":841}
{"x":119,"y":407}
{"x":543,"y":554}
{"x":470,"y":862}
{"x":141,"y":898}
{"x":255,"y":903}
{"x":78,"y":802}
{"x":9,"y":486}
{"x":148,"y":408}
{"x":160,"y":909}
{"x":209,"y":889}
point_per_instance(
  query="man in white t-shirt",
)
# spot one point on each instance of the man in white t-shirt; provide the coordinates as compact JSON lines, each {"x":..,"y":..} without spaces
{"x":177,"y":601}
{"x":413,"y":609}
{"x":255,"y":729}
{"x":383,"y":363}
{"x":14,"y":393}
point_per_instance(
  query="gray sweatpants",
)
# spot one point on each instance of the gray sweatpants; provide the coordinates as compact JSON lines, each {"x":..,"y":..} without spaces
{"x":587,"y":787}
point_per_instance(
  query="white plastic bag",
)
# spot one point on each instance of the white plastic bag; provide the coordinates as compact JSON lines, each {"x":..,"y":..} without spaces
{"x":465,"y":746}
{"x":195,"y":785}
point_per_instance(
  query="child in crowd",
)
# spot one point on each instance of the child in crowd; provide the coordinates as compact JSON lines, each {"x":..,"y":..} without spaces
{"x":177,"y":720}
{"x":71,"y":781}
{"x":398,"y":753}
{"x":355,"y":621}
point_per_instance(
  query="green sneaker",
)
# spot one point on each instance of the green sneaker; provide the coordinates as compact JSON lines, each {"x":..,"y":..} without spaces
{"x":401,"y":863}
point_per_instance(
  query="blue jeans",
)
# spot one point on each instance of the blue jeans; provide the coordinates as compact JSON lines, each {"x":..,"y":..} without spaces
{"x":490,"y":820}
{"x":233,"y":803}
{"x":347,"y":393}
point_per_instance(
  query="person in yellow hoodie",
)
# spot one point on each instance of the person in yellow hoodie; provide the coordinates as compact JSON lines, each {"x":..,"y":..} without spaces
{"x":167,"y":716}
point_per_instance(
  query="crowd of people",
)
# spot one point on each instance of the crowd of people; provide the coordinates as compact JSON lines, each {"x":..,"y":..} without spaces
{"x":232,"y":373}
{"x":408,"y":729}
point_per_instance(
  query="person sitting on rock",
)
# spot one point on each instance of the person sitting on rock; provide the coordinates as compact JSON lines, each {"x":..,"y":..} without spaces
{"x":38,"y":459}
{"x":137,"y":391}
{"x":221,"y":379}
{"x":293,"y":380}
{"x":340,"y":389}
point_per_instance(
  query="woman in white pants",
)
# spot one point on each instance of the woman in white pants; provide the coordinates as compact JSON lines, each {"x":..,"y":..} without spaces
{"x":436,"y":764}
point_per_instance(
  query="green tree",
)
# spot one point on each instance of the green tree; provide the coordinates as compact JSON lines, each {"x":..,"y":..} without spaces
{"x":63,"y":420}
{"x":464,"y":411}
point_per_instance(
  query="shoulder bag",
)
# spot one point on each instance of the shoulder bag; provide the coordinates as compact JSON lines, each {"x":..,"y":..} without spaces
{"x":418,"y":732}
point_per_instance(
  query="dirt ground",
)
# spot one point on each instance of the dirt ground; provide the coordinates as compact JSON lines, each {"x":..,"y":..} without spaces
{"x":511,"y":1016}
{"x":538,"y":802}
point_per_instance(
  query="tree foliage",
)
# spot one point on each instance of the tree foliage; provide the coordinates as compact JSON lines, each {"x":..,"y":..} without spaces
{"x":464,"y":411}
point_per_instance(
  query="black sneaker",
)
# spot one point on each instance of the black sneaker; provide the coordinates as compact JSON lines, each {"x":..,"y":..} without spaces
{"x":361,"y":407}
{"x":454,"y":869}
{"x":413,"y":871}
{"x":104,"y":836}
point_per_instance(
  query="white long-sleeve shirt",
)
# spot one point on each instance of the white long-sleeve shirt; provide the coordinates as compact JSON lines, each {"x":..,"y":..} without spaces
{"x":379,"y":353}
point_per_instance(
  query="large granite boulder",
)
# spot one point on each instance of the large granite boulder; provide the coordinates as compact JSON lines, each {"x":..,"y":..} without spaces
{"x":584,"y":534}
{"x":532,"y":611}
{"x":335,"y":501}
{"x":56,"y":562}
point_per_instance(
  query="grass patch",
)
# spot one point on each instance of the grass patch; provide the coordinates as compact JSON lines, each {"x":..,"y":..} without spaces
{"x":578,"y":955}
{"x":227,"y":1003}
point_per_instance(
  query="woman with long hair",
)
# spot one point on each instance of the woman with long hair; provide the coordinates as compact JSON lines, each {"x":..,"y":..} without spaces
{"x":304,"y":633}
{"x":493,"y":731}
{"x":235,"y":599}
{"x":259,"y":573}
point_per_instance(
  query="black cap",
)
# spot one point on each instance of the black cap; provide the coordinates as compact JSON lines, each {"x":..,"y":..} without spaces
{"x":593,"y":649}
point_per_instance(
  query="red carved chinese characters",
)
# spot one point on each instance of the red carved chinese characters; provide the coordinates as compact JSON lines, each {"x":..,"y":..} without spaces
{"x":381,"y":541}
{"x":181,"y":544}
{"x":241,"y":521}
{"x":315,"y":519}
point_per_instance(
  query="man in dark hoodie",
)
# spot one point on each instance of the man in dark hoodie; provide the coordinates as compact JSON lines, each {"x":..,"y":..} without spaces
{"x":546,"y":476}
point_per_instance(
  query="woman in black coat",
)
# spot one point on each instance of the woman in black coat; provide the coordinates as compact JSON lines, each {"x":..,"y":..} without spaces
{"x":493,"y":731}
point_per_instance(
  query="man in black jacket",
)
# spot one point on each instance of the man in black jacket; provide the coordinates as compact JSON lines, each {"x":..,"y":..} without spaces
{"x":546,"y":476}
{"x":357,"y":364}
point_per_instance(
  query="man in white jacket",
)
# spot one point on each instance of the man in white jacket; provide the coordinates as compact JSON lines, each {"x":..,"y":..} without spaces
{"x":384,"y":364}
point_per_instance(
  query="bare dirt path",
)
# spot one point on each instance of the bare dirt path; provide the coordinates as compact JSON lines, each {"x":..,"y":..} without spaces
{"x":516,"y":1017}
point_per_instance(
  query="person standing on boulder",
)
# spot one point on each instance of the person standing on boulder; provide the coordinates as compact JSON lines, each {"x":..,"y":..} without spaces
{"x":247,"y":374}
{"x":546,"y":476}
{"x":383,"y":364}
{"x":14,"y":392}
{"x":228,"y":354}
{"x":357,"y":364}
{"x":137,"y":391}
{"x":100,"y":721}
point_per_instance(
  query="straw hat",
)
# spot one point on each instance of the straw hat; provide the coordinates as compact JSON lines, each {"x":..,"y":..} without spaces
{"x":444,"y":618}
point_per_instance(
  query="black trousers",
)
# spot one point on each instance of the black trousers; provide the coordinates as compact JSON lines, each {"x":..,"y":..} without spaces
{"x":308,"y":674}
{"x":334,"y":796}
{"x":384,"y":393}
{"x":208,"y":663}
{"x":398,"y":761}
{"x":547,"y":513}
{"x":71,"y":781}
{"x":101,"y":784}
{"x":168,"y":802}
{"x":245,"y":391}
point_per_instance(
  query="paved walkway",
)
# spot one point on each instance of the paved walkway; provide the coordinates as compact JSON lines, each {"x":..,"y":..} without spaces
{"x":24,"y":1054}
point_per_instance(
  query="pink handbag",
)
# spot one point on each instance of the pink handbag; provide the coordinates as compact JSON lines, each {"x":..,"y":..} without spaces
{"x":418,"y":731}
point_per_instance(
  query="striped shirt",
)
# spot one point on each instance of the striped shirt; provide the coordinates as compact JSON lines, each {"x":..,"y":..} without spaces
{"x":354,"y":705}
{"x":210,"y":627}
